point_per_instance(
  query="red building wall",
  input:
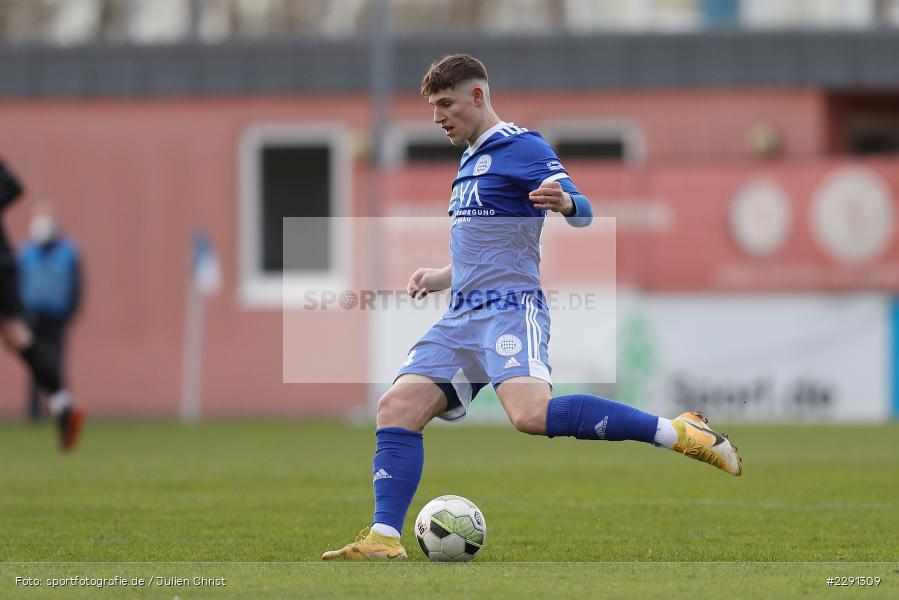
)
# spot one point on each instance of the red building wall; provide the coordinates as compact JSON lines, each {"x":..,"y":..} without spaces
{"x":133,"y":178}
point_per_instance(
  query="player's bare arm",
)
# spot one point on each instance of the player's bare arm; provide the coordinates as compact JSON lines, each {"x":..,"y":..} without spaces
{"x":427,"y":280}
{"x":551,"y":196}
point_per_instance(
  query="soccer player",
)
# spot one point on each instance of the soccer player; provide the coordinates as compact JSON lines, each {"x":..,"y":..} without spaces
{"x":16,"y":335}
{"x":497,"y":327}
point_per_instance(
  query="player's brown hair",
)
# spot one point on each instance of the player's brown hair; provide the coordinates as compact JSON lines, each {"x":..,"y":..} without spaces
{"x":450,"y":71}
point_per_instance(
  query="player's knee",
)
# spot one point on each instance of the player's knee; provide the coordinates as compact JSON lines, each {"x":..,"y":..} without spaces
{"x":398,"y":409}
{"x":529,"y":418}
{"x":14,"y":334}
{"x":389,"y":405}
{"x":526,"y":403}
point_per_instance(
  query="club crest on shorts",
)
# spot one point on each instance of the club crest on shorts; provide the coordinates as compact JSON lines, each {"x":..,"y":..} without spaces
{"x":482,"y":165}
{"x":508,"y":344}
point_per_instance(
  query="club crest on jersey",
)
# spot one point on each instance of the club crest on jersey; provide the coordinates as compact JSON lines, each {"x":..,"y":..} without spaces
{"x":508,"y":345}
{"x":482,"y":165}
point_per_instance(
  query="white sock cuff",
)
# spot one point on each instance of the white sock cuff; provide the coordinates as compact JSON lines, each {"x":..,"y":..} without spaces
{"x":60,"y":401}
{"x":382,"y":529}
{"x":666,"y":434}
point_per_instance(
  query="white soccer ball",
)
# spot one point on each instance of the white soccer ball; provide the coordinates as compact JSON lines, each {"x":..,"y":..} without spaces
{"x":450,"y":528}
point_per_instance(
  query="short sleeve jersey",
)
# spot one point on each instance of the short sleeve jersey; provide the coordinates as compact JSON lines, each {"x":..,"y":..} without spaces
{"x":495,"y":234}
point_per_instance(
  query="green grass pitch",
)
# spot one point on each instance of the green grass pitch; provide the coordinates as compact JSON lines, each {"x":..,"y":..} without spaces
{"x":256,"y":503}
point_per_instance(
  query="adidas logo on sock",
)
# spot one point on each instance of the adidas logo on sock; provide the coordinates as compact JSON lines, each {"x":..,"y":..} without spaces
{"x":512,"y":363}
{"x":381,"y":474}
{"x":601,"y":428}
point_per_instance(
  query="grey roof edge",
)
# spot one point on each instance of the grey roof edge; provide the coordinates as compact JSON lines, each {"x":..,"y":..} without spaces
{"x":828,"y":59}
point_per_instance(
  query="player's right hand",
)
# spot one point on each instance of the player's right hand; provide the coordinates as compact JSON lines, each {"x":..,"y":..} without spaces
{"x":422,"y":283}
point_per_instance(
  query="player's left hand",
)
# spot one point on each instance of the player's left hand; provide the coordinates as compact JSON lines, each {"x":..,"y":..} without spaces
{"x":550,"y":196}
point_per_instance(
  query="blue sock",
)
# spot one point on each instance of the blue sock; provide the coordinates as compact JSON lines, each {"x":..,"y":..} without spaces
{"x":396,"y":467}
{"x":588,"y":417}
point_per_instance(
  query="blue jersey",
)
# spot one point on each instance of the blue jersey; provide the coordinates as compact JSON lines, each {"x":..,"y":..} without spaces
{"x":495,"y":234}
{"x":50,"y":278}
{"x":495,"y":246}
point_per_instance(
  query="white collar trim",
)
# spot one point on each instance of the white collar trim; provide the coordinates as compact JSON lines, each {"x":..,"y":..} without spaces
{"x":484,"y":136}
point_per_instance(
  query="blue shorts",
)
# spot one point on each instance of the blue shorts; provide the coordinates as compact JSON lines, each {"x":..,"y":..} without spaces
{"x":487,"y":344}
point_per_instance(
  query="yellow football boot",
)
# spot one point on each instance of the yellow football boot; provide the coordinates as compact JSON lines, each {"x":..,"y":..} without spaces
{"x":369,"y":545}
{"x":695,"y":440}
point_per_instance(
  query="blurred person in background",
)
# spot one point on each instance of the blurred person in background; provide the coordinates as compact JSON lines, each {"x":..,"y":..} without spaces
{"x":50,"y":288}
{"x":18,"y":337}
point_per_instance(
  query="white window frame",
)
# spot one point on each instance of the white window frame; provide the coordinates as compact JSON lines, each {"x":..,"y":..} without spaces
{"x":629,"y":133}
{"x":261,"y":290}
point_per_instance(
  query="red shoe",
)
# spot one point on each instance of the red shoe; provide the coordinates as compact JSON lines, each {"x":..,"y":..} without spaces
{"x":70,"y":423}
